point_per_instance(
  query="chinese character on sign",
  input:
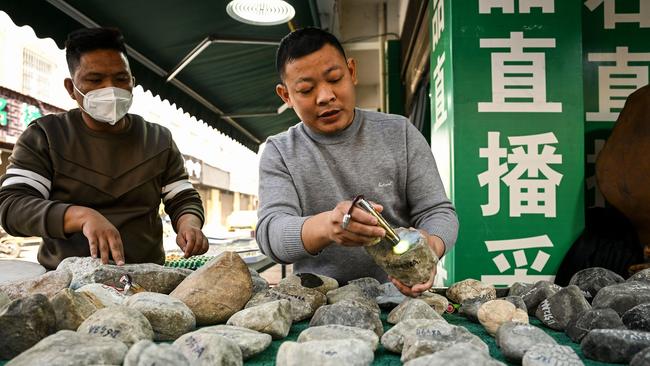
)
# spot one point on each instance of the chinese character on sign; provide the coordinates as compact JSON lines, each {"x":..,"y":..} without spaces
{"x":616,"y":82}
{"x":527,"y":196}
{"x":439,"y":89}
{"x":599,"y":200}
{"x":29,"y":113}
{"x":517,"y":249}
{"x":611,"y":17}
{"x":508,"y":6}
{"x":438,"y":21}
{"x":518,"y":77}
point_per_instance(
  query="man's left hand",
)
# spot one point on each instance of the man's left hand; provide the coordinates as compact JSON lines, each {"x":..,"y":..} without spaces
{"x":438,"y":247}
{"x":190,"y":238}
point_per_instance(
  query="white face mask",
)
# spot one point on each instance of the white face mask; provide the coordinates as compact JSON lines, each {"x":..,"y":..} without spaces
{"x":107,"y":105}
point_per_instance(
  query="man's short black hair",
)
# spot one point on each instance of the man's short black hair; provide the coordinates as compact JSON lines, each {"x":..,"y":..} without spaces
{"x":91,"y":39}
{"x":303,"y":42}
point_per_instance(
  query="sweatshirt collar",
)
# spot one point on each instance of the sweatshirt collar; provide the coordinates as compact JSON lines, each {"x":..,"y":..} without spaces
{"x":336,"y":137}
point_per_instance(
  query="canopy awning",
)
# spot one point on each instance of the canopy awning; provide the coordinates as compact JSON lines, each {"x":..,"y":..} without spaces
{"x":230,"y":85}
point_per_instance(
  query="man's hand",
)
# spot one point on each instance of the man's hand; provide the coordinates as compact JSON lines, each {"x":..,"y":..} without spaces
{"x":102,"y":236}
{"x":438,"y":247}
{"x":320,"y":230}
{"x":189,"y":236}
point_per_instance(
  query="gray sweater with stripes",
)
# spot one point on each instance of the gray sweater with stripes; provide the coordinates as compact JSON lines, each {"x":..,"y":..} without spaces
{"x":382,"y":156}
{"x":58,"y":162}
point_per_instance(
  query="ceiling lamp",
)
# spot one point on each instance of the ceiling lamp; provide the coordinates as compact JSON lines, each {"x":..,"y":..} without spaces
{"x":260,"y":12}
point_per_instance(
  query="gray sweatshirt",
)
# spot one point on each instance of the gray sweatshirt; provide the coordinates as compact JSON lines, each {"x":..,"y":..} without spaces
{"x":382,"y":156}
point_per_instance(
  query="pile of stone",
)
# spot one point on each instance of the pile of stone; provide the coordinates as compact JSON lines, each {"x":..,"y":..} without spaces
{"x":607,"y":315}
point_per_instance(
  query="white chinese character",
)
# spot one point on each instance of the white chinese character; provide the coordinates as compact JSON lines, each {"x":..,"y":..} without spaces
{"x":508,"y":6}
{"x":438,"y":21}
{"x":527,"y":196}
{"x":592,"y":183}
{"x":611,"y":17}
{"x":616,"y":82}
{"x":518,"y":248}
{"x":492,"y":176}
{"x":439,"y":89}
{"x":517,"y":76}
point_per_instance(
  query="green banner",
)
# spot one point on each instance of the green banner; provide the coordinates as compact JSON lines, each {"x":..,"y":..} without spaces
{"x":507,"y":109}
{"x":616,"y":60}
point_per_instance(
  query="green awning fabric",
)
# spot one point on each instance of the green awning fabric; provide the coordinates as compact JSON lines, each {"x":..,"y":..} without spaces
{"x":237,"y":79}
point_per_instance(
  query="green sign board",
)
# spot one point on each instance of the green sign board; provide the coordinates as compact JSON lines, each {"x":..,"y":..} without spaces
{"x":616,"y":60}
{"x":507,"y":133}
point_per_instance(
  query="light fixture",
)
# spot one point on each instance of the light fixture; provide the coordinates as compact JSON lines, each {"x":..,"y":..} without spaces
{"x":261,"y":12}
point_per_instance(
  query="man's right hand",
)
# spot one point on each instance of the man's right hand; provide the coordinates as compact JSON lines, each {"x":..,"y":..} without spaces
{"x":103,"y":238}
{"x":320,"y":230}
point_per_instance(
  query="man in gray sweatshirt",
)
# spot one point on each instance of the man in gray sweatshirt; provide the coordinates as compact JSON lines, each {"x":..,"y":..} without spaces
{"x":309,"y":174}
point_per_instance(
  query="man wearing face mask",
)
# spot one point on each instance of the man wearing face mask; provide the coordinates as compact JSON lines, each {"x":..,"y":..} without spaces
{"x":90,"y":181}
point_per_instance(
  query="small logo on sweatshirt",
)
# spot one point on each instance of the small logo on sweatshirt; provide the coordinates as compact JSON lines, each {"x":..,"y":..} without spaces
{"x":387,"y":184}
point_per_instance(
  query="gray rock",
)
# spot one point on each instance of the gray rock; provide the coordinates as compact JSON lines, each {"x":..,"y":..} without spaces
{"x":580,"y":325}
{"x":250,"y":342}
{"x":259,"y":283}
{"x":641,"y":276}
{"x":369,"y":286}
{"x":4,"y":299}
{"x":437,"y":302}
{"x":538,"y":293}
{"x":623,"y":296}
{"x":519,"y":288}
{"x":517,"y":301}
{"x":470,"y":289}
{"x":304,"y":301}
{"x":118,"y":322}
{"x":216,"y":290}
{"x":349,"y":312}
{"x":24,"y":322}
{"x":642,"y":358}
{"x":551,"y":355}
{"x":82,"y":269}
{"x":638,"y":318}
{"x":272,"y":318}
{"x":405,"y":334}
{"x":514,"y":339}
{"x":152,"y":277}
{"x":389,"y":296}
{"x":106,"y":295}
{"x":71,"y":308}
{"x":412,"y":309}
{"x":169,"y":317}
{"x":351,"y":352}
{"x":614,"y":345}
{"x":207,"y":349}
{"x":147,"y":353}
{"x":591,"y":280}
{"x":47,"y":284}
{"x":320,"y":283}
{"x":412,"y":267}
{"x":428,"y":340}
{"x":66,"y":348}
{"x":346,"y":292}
{"x":496,"y":312}
{"x":341,"y":332}
{"x":556,"y":311}
{"x":461,"y":354}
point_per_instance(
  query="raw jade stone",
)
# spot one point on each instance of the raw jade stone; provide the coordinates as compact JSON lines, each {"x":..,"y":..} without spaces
{"x":412,"y":267}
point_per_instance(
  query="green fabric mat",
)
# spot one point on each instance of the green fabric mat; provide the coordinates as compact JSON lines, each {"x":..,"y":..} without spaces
{"x":386,"y":358}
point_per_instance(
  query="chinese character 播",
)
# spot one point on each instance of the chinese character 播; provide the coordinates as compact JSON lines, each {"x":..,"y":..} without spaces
{"x":508,"y":6}
{"x":527,"y":196}
{"x":611,"y":17}
{"x":616,"y":82}
{"x":518,"y":77}
{"x":517,"y":248}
